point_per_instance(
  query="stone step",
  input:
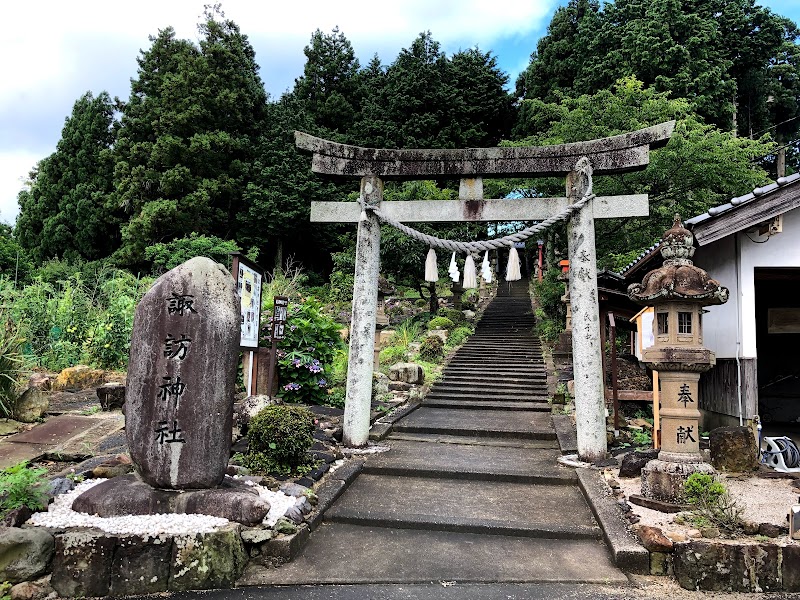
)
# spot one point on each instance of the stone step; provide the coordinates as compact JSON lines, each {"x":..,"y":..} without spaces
{"x":467,"y":506}
{"x":484,"y":396}
{"x":487,"y":404}
{"x":479,"y":423}
{"x":339,"y":553}
{"x":444,"y":438}
{"x":466,"y":371}
{"x":456,"y":377}
{"x":471,"y":461}
{"x":486,"y":382}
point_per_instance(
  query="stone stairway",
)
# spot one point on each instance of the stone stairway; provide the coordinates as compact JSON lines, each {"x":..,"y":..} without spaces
{"x":470,"y":490}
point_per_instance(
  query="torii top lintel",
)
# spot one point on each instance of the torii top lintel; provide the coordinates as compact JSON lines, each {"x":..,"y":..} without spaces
{"x":617,"y":154}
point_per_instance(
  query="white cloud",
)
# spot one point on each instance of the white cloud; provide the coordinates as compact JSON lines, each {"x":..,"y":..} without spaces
{"x":14,"y":169}
{"x":54,"y":51}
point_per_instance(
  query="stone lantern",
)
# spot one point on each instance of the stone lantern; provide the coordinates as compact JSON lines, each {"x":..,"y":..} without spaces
{"x":678,"y":291}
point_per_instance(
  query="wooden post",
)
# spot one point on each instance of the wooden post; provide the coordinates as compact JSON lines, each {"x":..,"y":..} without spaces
{"x":362,"y":325}
{"x":590,"y":418}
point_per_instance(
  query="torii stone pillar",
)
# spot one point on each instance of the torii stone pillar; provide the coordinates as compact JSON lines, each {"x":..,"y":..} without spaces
{"x":618,"y":154}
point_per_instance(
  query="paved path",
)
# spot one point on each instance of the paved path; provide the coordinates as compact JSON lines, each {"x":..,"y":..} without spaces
{"x":471,"y":491}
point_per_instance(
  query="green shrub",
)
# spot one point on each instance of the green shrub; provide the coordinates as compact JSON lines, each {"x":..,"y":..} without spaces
{"x":456,"y":316}
{"x":642,"y":438}
{"x":278,"y":439}
{"x":432,"y":348}
{"x":392,"y":354}
{"x":11,"y":364}
{"x":441,"y":323}
{"x":22,"y":486}
{"x":306,"y":354}
{"x":712,"y":502}
{"x":406,"y":332}
{"x":458,"y":336}
{"x":166,"y":256}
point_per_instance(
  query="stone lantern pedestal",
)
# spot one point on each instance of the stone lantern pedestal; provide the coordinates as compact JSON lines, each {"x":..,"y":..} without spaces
{"x":678,"y":291}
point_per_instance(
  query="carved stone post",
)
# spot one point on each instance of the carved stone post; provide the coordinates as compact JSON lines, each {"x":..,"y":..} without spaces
{"x":362,"y":325}
{"x":590,"y":418}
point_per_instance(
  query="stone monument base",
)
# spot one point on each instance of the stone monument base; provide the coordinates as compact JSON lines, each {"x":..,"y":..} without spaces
{"x":663,"y":479}
{"x":129,"y":495}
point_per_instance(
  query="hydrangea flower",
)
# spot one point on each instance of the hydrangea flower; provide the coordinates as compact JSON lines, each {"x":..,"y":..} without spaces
{"x":322,"y":383}
{"x":292,"y":387}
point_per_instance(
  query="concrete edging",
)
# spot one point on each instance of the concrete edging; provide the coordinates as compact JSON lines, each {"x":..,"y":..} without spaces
{"x":627,"y":553}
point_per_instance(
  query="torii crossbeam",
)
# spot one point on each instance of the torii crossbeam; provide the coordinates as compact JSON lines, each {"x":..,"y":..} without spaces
{"x":618,"y":154}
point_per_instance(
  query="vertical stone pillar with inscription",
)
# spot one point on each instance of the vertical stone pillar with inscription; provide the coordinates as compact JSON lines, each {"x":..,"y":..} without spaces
{"x":587,"y":359}
{"x":362,"y":325}
{"x":182,"y":375}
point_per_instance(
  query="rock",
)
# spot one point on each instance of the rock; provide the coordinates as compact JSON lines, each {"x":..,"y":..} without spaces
{"x":633,"y":462}
{"x":110,"y":469}
{"x":642,"y":424}
{"x":410,"y":373}
{"x":677,"y":536}
{"x":660,"y":563}
{"x":61,"y":485}
{"x":399,"y":386}
{"x":9,"y":427}
{"x":256,"y":535}
{"x":709,"y":532}
{"x":606,"y":462}
{"x":285,"y":526}
{"x":654,"y":539}
{"x":111,"y":395}
{"x":292,"y":489}
{"x":469,"y":315}
{"x":82,"y":563}
{"x":141,"y":565}
{"x":182,"y":377}
{"x":251,"y":406}
{"x":380,"y":385}
{"x":749,"y":527}
{"x":733,"y":449}
{"x":17,"y":517}
{"x":41,"y":381}
{"x":306,"y":482}
{"x":715,"y":566}
{"x":31,"y":405}
{"x":294,"y":514}
{"x":237,"y":470}
{"x":693,"y":533}
{"x":440,"y":333}
{"x":24,"y":553}
{"x":127,"y":495}
{"x":771,"y":530}
{"x":207,"y":561}
{"x":79,"y":377}
{"x":32,"y":590}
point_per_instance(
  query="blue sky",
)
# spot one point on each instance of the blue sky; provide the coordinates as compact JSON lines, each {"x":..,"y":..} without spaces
{"x":58,"y":50}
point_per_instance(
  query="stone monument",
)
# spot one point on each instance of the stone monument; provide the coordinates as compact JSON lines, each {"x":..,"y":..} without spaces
{"x":179,"y":407}
{"x":678,"y":291}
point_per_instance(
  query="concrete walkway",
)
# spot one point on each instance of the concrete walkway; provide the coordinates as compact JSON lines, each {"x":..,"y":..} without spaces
{"x":471,"y":491}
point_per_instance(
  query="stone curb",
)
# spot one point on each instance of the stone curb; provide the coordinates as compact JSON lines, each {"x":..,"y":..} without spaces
{"x":565,"y":432}
{"x":628,"y":555}
{"x":382,"y":427}
{"x":330,"y":490}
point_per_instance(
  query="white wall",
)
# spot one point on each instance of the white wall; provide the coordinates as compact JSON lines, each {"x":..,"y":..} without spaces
{"x":718,"y":259}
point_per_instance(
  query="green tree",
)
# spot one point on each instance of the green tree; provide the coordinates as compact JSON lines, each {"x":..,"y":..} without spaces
{"x":700,"y":167}
{"x":66,"y":211}
{"x":188,"y":137}
{"x":329,"y":84}
{"x":14,"y":261}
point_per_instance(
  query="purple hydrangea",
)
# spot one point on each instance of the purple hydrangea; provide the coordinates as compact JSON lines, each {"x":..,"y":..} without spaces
{"x":322,"y":383}
{"x":292,"y":387}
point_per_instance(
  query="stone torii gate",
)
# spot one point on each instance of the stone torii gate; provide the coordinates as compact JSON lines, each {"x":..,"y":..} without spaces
{"x":618,"y":154}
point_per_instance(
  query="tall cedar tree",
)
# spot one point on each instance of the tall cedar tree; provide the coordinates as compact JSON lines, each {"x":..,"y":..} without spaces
{"x":66,"y":211}
{"x":719,"y":54}
{"x":188,"y":137}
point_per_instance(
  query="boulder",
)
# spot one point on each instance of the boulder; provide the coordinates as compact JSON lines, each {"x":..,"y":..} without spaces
{"x":733,"y":449}
{"x":31,"y":405}
{"x":141,"y":565}
{"x":41,"y":381}
{"x":17,"y":517}
{"x":716,"y":566}
{"x":251,"y":406}
{"x":633,"y":462}
{"x":32,"y":590}
{"x":82,"y":563}
{"x":407,"y":373}
{"x":111,"y":395}
{"x":25,"y":554}
{"x":182,"y":376}
{"x":207,"y":561}
{"x":440,"y":333}
{"x":79,"y":377}
{"x":469,"y":315}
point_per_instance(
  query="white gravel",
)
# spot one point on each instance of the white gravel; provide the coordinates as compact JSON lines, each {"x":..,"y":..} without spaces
{"x":60,"y":514}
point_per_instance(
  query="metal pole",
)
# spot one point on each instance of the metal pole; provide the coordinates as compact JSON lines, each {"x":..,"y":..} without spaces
{"x":362,"y":326}
{"x":590,"y":416}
